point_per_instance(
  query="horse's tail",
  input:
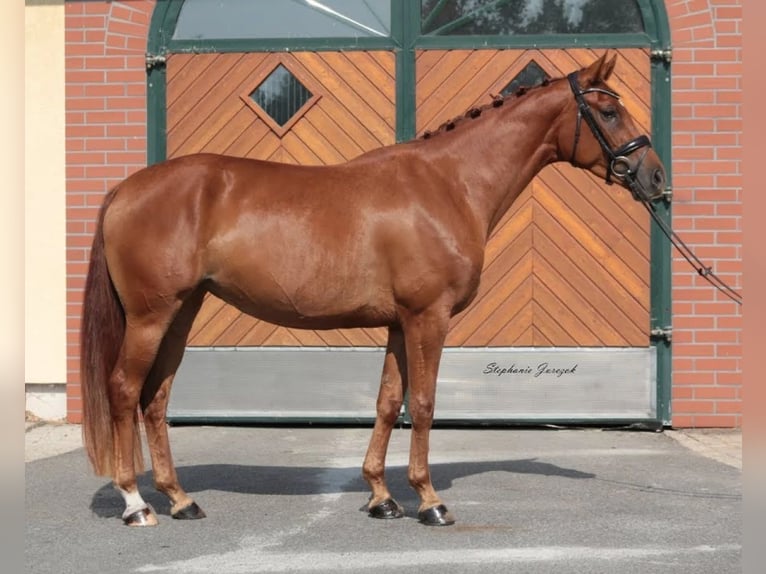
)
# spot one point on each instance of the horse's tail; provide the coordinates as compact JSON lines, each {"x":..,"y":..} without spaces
{"x":101,"y":334}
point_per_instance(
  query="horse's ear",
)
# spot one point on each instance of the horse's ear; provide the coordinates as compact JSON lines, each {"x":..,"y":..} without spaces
{"x":599,"y":71}
{"x":608,"y":68}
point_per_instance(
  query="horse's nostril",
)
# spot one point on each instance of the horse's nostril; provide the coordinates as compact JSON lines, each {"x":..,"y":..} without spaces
{"x":658,"y":178}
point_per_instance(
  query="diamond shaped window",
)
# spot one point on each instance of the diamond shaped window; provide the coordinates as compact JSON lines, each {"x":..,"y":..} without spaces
{"x":531,"y":75}
{"x":281,"y":95}
{"x":280,"y":98}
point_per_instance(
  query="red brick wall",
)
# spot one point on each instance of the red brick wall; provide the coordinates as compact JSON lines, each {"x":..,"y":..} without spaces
{"x":707,"y":209}
{"x":106,"y":141}
{"x":105,"y":134}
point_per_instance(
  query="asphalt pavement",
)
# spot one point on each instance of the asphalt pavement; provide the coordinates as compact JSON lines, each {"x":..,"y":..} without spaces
{"x":289,"y":499}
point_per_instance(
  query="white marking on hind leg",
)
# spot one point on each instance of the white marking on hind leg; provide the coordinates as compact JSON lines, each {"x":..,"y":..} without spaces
{"x":133,"y":502}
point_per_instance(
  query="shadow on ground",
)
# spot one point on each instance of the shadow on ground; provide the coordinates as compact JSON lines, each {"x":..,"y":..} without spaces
{"x":292,"y":481}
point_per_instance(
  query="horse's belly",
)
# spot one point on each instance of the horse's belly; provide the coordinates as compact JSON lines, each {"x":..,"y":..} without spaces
{"x":316,"y":302}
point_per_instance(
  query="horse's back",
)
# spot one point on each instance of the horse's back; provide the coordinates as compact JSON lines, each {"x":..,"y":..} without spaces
{"x":222,"y":183}
{"x":264,"y":236}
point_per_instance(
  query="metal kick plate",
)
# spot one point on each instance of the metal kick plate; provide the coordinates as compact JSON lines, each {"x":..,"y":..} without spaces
{"x":475,"y":384}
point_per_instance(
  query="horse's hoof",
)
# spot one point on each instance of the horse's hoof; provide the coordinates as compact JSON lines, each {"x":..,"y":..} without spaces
{"x":143,"y":517}
{"x":436,"y":516}
{"x":387,"y":509}
{"x":191,"y":512}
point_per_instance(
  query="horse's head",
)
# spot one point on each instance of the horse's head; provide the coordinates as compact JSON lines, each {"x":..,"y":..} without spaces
{"x":609,"y":144}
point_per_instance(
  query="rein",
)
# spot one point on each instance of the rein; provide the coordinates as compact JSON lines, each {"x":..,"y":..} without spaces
{"x":688,"y":254}
{"x":618,"y":158}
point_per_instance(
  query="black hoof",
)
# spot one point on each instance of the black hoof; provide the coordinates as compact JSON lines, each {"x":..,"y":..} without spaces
{"x":389,"y":508}
{"x":436,"y":516}
{"x":143,"y":517}
{"x":191,"y":512}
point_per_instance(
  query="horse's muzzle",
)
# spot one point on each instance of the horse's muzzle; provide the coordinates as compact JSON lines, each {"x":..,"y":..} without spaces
{"x":651,"y":182}
{"x":642,"y":173}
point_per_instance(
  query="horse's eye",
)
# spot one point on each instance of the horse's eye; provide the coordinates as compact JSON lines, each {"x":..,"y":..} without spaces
{"x":609,"y":114}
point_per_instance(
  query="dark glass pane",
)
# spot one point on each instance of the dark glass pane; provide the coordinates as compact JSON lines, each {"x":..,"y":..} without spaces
{"x":509,"y":17}
{"x":281,"y":95}
{"x":531,"y":75}
{"x":222,"y":19}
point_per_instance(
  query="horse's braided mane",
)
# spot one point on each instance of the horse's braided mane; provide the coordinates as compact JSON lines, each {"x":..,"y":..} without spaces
{"x":475,"y":112}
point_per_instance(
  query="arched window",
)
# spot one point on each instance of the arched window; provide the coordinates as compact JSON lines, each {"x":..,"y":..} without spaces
{"x":510,"y":17}
{"x":229,"y":19}
{"x":226,"y":19}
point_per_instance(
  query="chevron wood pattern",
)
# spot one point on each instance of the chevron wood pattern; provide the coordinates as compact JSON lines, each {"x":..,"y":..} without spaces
{"x":354,"y":113}
{"x":569,"y":264}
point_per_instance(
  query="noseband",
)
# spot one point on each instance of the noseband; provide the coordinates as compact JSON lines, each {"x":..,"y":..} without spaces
{"x":619,"y":166}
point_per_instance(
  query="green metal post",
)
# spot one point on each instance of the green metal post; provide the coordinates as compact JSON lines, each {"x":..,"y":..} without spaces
{"x":405,"y":28}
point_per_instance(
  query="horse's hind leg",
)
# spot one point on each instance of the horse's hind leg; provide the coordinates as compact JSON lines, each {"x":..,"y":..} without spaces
{"x":143,"y":336}
{"x":154,"y":402}
{"x":390,"y":397}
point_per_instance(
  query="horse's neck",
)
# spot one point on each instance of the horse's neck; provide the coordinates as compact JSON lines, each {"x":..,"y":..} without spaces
{"x":497,"y":158}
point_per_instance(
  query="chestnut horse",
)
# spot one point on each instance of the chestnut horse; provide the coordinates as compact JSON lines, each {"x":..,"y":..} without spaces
{"x":393,"y":238}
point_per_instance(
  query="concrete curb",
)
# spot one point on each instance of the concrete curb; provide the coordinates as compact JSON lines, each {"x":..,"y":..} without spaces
{"x":45,"y":439}
{"x":722,"y":445}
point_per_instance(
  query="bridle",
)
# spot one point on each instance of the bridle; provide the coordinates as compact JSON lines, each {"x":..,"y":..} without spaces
{"x":617,"y":159}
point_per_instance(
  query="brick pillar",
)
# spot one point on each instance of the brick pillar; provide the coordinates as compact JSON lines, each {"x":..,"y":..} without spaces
{"x":105,"y":135}
{"x":707,"y":209}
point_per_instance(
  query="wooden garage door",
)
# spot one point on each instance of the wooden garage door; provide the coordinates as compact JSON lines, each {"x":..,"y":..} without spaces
{"x":569,"y":264}
{"x":210,"y":108}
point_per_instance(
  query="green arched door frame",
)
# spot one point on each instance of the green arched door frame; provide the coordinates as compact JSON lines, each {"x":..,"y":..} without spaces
{"x":405,"y":39}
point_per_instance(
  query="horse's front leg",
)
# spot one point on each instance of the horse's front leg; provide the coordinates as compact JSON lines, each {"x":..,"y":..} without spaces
{"x":424,"y":335}
{"x":392,"y":387}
